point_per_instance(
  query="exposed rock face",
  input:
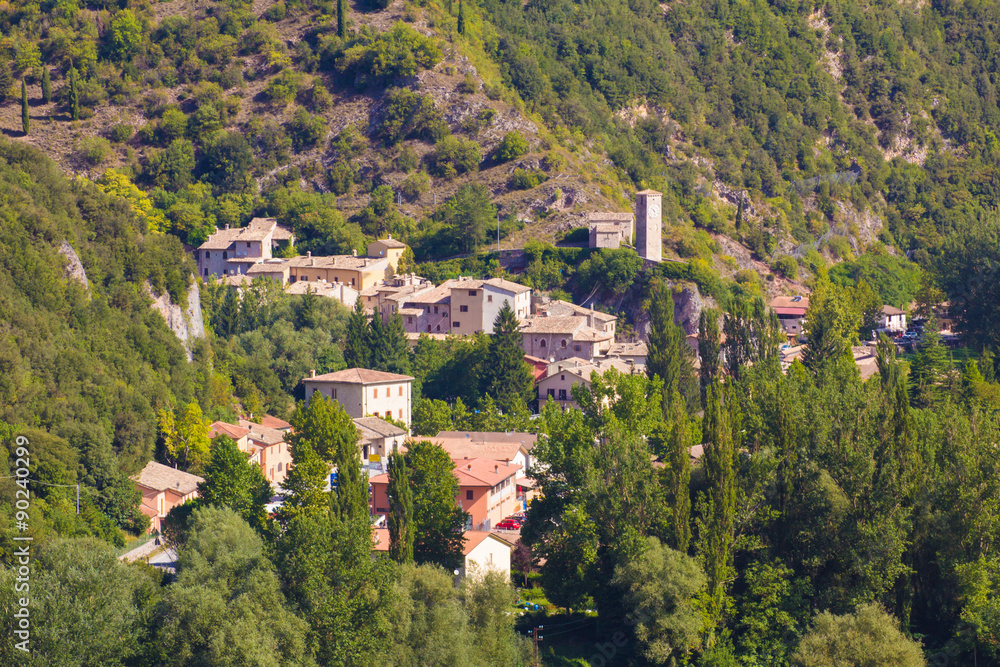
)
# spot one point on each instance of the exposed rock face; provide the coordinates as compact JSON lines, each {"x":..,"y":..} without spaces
{"x":74,"y":267}
{"x":186,"y":323}
{"x":688,"y":304}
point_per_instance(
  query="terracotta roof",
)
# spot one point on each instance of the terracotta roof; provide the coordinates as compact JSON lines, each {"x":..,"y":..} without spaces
{"x":275,"y":422}
{"x":379,"y":427}
{"x":793,"y":301}
{"x":358,"y":376}
{"x":380,"y":539}
{"x":237,"y":280}
{"x":889,"y":310}
{"x":159,"y":477}
{"x":223,"y":428}
{"x":264,"y":434}
{"x":483,"y":472}
{"x":473,"y":538}
{"x":507,"y":285}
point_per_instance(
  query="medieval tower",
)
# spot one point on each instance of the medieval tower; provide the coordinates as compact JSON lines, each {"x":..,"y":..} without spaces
{"x":648,"y":225}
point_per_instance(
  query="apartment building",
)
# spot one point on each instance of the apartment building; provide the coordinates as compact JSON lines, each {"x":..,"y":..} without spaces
{"x":355,"y":272}
{"x":476,"y":303}
{"x":562,"y":337}
{"x":389,"y":249}
{"x":557,"y":385}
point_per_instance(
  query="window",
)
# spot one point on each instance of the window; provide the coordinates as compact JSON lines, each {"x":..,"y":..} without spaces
{"x":455,"y":325}
{"x":562,"y":394}
{"x":463,"y":309}
{"x":576,"y":347}
{"x":225,"y":272}
{"x":552,"y":393}
{"x":468,"y":494}
{"x":208,"y":255}
{"x":375,"y":394}
{"x":248,"y":244}
{"x":472,"y":292}
{"x":438,"y":327}
{"x":409,"y":320}
{"x":400,"y":390}
{"x":206,"y":270}
{"x":445,"y":313}
{"x":564,"y":343}
{"x":279,"y":466}
{"x":543,"y":343}
{"x":562,"y":377}
{"x":489,"y":298}
{"x":435,"y":310}
{"x":333,"y":393}
{"x":225,"y":255}
{"x":401,"y":413}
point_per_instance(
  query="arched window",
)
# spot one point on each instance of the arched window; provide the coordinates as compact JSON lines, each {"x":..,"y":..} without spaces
{"x":543,"y":343}
{"x":563,"y":343}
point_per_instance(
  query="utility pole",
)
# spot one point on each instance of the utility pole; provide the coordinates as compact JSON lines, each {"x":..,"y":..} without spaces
{"x":536,"y":639}
{"x":77,"y":498}
{"x":498,"y":233}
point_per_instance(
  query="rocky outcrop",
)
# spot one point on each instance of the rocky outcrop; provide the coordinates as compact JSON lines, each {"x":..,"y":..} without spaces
{"x":186,"y":323}
{"x":74,"y":267}
{"x":688,"y":304}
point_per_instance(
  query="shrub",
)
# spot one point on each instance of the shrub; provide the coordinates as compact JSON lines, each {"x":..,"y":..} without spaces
{"x":415,"y":185}
{"x":468,"y":85}
{"x":525,"y":179}
{"x":340,"y":177}
{"x":400,"y":52}
{"x":282,"y":89}
{"x":275,"y":12}
{"x":409,"y":115}
{"x":577,"y":235}
{"x":786,"y":266}
{"x":453,"y":156}
{"x":306,"y":130}
{"x":512,"y":146}
{"x":270,"y":143}
{"x":93,"y":151}
{"x":407,"y":160}
{"x":120,"y":133}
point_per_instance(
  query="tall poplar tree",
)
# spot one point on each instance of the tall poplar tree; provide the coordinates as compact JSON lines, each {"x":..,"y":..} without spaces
{"x":400,"y":517}
{"x":357,"y":352}
{"x":679,"y":476}
{"x":341,"y":19}
{"x":718,"y":512}
{"x":351,"y":500}
{"x":438,"y":521}
{"x":667,"y":355}
{"x":461,"y":17}
{"x":709,"y":343}
{"x":74,"y":95}
{"x":505,"y":375}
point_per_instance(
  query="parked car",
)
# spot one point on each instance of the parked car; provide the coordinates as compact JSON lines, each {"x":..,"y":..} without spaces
{"x":508,"y":524}
{"x":518,"y":516}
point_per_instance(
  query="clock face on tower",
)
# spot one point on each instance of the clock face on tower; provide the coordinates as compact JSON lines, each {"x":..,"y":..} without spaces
{"x":654,"y":209}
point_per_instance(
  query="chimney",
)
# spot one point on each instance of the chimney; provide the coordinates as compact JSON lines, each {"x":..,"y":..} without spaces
{"x":496,"y":470}
{"x":227,"y":226}
{"x":590,"y":320}
{"x":312,"y":373}
{"x":309,"y":253}
{"x":354,"y":253}
{"x":390,"y":237}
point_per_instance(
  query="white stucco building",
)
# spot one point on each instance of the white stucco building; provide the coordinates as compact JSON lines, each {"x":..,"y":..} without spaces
{"x":366,"y":393}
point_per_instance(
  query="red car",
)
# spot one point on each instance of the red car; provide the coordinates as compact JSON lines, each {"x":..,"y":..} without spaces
{"x":508,"y":524}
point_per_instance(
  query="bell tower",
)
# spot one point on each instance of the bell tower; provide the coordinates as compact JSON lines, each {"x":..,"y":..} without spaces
{"x":649,"y":225}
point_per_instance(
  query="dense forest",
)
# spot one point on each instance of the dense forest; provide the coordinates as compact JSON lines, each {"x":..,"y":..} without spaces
{"x":847,"y":148}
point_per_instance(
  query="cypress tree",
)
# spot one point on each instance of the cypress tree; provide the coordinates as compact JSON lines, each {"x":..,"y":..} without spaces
{"x":74,"y":95}
{"x":400,"y":517}
{"x":717,"y":532}
{"x":395,"y":352}
{"x":376,"y":343}
{"x":506,"y":377}
{"x":46,"y":85}
{"x":357,"y":353}
{"x":461,"y":17}
{"x":351,"y":501}
{"x":25,"y":118}
{"x":341,"y":19}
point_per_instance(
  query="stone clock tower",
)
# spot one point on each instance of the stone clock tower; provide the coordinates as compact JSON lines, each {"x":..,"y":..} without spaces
{"x":649,"y":225}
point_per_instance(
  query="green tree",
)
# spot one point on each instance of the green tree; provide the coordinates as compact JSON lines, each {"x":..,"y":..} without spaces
{"x":718,"y":505}
{"x":6,"y":79}
{"x":25,"y":118}
{"x":341,"y":19}
{"x":232,"y":481}
{"x":469,"y":213}
{"x":46,"y":85}
{"x":125,"y":35}
{"x":325,"y":425}
{"x":185,"y":436}
{"x":357,"y":349}
{"x":305,"y":485}
{"x":929,"y":368}
{"x":430,"y":417}
{"x":487,"y":597}
{"x":461,"y":17}
{"x":753,"y":335}
{"x":513,"y":145}
{"x":709,"y":347}
{"x":400,"y":517}
{"x":389,"y":347}
{"x":668,"y":351}
{"x":678,"y":475}
{"x":432,"y":625}
{"x":225,"y":584}
{"x":351,"y":499}
{"x":660,"y":588}
{"x":74,"y":94}
{"x":506,"y":377}
{"x":438,"y":521}
{"x":869,"y":637}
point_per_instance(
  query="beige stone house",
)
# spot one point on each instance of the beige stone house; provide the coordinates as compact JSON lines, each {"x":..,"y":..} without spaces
{"x":366,"y":393}
{"x":164,"y":488}
{"x":234,"y":250}
{"x":557,"y":385}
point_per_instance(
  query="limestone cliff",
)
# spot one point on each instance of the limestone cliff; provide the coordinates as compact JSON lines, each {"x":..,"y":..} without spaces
{"x":186,"y":323}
